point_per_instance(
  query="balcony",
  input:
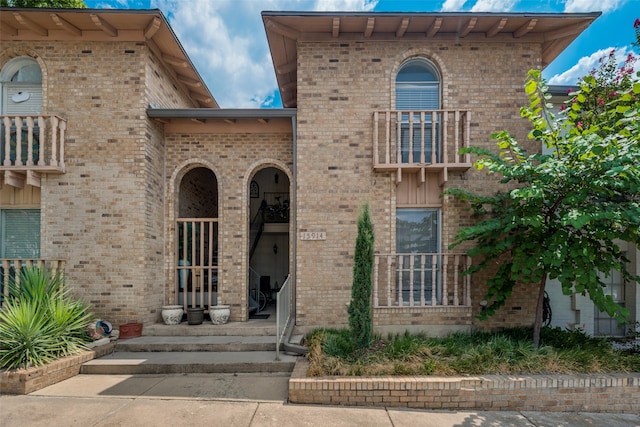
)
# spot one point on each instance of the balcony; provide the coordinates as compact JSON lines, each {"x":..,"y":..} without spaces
{"x":31,"y":146}
{"x":421,"y":142}
{"x":421,"y":280}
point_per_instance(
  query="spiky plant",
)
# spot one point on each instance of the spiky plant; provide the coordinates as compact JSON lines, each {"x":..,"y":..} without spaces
{"x":40,"y":321}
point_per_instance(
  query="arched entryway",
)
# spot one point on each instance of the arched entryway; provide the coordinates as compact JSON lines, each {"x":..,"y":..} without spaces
{"x":269,"y":243}
{"x":196,"y":237}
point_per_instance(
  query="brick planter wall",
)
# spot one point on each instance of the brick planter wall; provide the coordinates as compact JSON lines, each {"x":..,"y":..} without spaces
{"x":615,"y":393}
{"x":25,"y":381}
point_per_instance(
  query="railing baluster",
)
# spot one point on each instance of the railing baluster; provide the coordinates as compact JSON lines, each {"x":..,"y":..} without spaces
{"x":389,"y":280}
{"x":445,"y":133}
{"x":445,"y":290}
{"x":467,"y":124}
{"x":399,"y":282}
{"x":411,"y":137}
{"x":375,"y":139}
{"x":42,"y":127}
{"x":29,"y":141}
{"x":387,"y":137}
{"x":54,"y":144}
{"x":18,"y":141}
{"x":434,"y":159}
{"x":411,"y":270}
{"x":376,"y":266}
{"x":456,"y":263}
{"x":7,"y":142}
{"x":434,"y":279}
{"x":423,"y":266}
{"x":422,"y":125}
{"x":456,"y":132}
{"x":399,"y":137}
{"x":63,"y":128}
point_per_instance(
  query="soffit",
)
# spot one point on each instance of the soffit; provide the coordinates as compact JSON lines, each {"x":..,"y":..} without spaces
{"x":284,"y":29}
{"x":148,"y":26}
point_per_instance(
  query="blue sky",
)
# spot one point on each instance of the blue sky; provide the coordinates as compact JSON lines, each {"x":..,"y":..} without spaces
{"x":225,"y":39}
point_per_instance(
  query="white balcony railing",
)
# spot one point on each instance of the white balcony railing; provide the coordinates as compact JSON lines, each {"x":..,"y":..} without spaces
{"x":424,"y":141}
{"x":31,"y":144}
{"x":421,"y":280}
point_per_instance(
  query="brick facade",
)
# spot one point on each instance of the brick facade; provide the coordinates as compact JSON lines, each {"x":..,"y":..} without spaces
{"x":112,"y":215}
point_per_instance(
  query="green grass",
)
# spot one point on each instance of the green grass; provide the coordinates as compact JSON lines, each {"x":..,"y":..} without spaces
{"x":505,"y":352}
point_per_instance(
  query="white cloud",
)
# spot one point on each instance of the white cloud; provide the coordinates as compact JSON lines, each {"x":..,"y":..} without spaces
{"x":604,"y":6}
{"x":493,"y":6}
{"x":453,"y":5}
{"x":588,"y":63}
{"x":226,"y":41}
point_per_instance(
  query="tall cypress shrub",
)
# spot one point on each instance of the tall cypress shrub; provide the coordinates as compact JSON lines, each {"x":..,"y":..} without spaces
{"x":360,"y":321}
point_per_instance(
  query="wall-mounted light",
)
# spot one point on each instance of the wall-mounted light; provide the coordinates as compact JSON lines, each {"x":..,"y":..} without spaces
{"x":275,"y":248}
{"x":276,"y":177}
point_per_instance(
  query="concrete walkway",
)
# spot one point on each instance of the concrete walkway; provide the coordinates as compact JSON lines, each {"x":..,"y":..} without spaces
{"x":237,"y":400}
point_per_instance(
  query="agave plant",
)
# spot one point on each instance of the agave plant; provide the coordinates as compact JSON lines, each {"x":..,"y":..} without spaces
{"x":40,"y":321}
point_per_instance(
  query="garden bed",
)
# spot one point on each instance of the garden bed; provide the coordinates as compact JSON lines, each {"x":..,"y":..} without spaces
{"x":25,"y":381}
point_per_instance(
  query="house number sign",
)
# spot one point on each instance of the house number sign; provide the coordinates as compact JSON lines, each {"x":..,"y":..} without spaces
{"x":313,"y":235}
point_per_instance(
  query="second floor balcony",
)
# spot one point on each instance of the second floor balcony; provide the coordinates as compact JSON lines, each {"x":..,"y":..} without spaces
{"x":31,"y":146}
{"x":421,"y":141}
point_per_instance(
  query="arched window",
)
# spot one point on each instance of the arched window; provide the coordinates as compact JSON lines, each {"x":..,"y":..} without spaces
{"x":417,"y":86}
{"x":418,"y":92}
{"x":21,"y":84}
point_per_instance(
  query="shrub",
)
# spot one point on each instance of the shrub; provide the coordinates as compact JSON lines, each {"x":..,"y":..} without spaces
{"x":360,"y":321}
{"x":40,"y":321}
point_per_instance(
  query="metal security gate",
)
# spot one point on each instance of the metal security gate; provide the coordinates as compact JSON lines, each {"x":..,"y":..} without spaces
{"x":196,"y":272}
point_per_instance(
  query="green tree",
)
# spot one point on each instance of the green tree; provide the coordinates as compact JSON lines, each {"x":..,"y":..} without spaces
{"x":360,"y":321}
{"x":561,"y":213}
{"x":53,"y":4}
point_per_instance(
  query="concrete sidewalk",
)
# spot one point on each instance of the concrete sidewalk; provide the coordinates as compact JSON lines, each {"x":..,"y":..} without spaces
{"x":237,"y":400}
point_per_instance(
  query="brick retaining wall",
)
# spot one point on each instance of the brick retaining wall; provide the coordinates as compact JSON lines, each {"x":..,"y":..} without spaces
{"x":25,"y":381}
{"x":614,"y":393}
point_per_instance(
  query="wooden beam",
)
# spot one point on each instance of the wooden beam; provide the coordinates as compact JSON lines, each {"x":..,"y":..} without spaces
{"x":33,"y":178}
{"x":8,"y":30}
{"x":199,"y":121}
{"x":189,"y":81}
{"x":335,"y":30}
{"x":14,"y":179}
{"x":287,"y":68}
{"x":65,"y":25}
{"x":497,"y":27}
{"x":99,"y":22}
{"x":175,"y":61}
{"x":263,"y":121}
{"x":434,"y":28}
{"x":468,"y":27}
{"x":371,"y":22}
{"x":404,"y":24}
{"x":525,"y":28}
{"x":201,"y":98}
{"x":230,"y":121}
{"x":283,"y":30}
{"x":152,"y":27}
{"x":36,"y":28}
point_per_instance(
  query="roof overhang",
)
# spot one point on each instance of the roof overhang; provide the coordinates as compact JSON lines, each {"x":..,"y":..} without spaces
{"x":227,"y":120}
{"x":104,"y":25}
{"x":284,"y":29}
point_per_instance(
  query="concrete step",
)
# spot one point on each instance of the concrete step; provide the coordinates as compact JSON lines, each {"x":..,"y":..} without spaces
{"x":210,"y":343}
{"x":183,"y":362}
{"x":251,"y":328}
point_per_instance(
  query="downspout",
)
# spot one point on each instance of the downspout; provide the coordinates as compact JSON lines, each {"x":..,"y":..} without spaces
{"x":288,"y":346}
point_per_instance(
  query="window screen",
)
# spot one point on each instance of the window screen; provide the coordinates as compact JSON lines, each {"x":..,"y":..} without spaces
{"x":20,"y":233}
